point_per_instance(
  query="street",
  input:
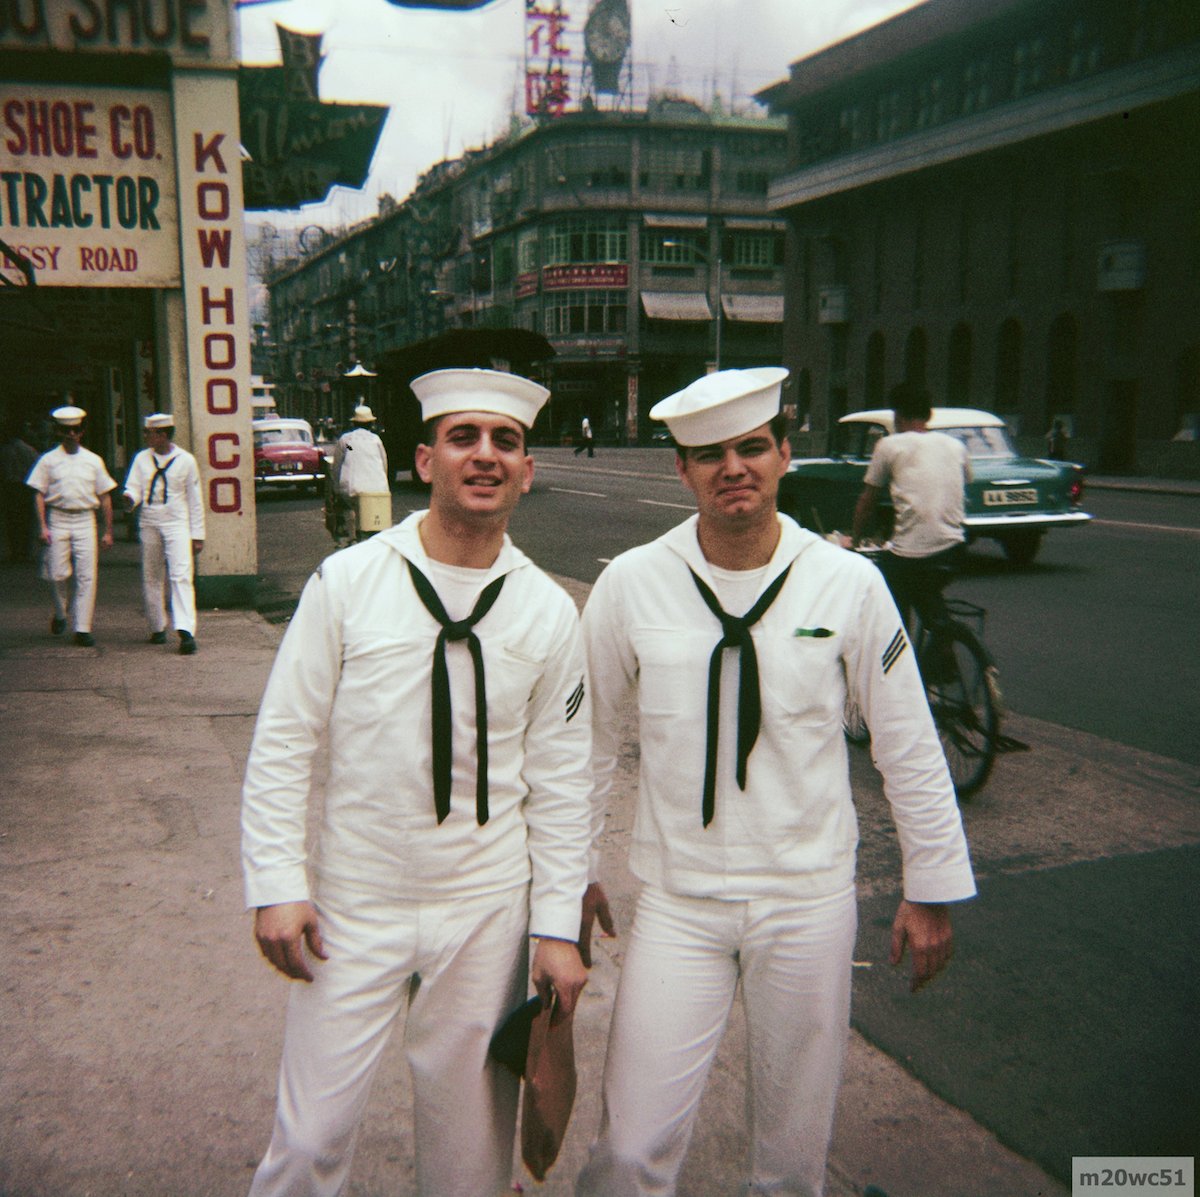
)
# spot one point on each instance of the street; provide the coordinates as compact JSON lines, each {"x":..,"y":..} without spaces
{"x":1085,"y":845}
{"x":1094,"y":635}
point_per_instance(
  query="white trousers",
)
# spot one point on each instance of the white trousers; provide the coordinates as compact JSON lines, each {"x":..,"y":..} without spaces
{"x":681,"y":969}
{"x":459,"y":968}
{"x":73,"y":550}
{"x":167,"y":556}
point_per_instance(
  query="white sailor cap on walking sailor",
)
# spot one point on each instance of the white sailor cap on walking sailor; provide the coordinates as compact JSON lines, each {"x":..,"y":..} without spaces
{"x":69,"y":416}
{"x":722,"y":405}
{"x":362,"y":415}
{"x":445,"y":391}
{"x":158,"y":420}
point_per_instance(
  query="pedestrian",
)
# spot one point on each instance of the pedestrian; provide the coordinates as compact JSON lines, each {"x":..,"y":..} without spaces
{"x":450,"y":834}
{"x":1056,"y":441}
{"x":743,"y":635}
{"x":587,"y":442}
{"x":164,"y":482}
{"x":70,"y":483}
{"x":359,"y":468}
{"x":926,"y":474}
{"x":17,"y":456}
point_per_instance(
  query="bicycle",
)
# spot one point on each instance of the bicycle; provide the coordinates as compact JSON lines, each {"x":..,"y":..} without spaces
{"x":962,"y":688}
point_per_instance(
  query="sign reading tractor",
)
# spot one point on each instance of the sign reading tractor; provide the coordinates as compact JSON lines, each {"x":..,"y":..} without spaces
{"x":87,"y":187}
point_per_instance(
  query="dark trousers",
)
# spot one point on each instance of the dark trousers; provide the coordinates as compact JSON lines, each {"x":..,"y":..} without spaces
{"x":918,"y":582}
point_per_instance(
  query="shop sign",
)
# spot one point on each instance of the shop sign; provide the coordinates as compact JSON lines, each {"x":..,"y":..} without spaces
{"x":527,"y":285}
{"x":87,"y":187}
{"x":547,"y":58}
{"x":557,"y":278}
{"x":185,"y":30}
{"x":216,"y":306}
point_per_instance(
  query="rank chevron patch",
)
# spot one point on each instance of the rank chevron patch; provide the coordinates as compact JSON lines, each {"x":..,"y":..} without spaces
{"x":891,"y":654}
{"x":574,"y":701}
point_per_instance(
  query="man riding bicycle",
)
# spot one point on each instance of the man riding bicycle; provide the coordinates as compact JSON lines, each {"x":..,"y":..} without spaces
{"x":925,"y":473}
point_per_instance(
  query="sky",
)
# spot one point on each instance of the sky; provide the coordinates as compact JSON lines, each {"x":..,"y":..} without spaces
{"x":453,"y":79}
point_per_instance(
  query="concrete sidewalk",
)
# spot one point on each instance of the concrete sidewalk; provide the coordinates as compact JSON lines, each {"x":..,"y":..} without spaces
{"x":141,"y":1029}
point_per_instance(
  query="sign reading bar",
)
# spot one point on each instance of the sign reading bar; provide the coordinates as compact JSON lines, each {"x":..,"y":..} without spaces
{"x":87,"y":186}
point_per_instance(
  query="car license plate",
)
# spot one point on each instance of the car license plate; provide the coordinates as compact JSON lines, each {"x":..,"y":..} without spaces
{"x":1008,"y":498}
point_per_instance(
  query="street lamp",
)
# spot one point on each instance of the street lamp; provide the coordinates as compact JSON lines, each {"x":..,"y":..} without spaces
{"x":674,"y":243}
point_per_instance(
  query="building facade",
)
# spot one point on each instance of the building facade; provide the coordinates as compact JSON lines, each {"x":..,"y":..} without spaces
{"x":638,"y":244}
{"x":122,"y":256}
{"x":998,"y":198}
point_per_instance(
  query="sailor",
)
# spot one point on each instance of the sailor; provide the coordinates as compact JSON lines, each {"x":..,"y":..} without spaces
{"x":71,"y":482}
{"x":447,"y":670}
{"x":164,"y":483}
{"x":743,"y":636}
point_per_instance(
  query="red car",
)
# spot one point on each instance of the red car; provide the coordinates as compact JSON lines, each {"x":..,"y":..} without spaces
{"x":285,"y":454}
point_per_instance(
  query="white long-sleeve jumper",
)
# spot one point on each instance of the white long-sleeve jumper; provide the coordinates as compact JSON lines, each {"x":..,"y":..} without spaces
{"x":793,"y":831}
{"x":357,"y":659}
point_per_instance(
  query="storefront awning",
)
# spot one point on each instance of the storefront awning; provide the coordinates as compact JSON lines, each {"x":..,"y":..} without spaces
{"x":676,"y":305}
{"x":762,"y":223}
{"x":753,"y":309}
{"x":656,"y":220}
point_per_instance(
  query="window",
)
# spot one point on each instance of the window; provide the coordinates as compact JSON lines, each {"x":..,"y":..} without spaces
{"x":675,"y":167}
{"x":584,"y":312}
{"x":667,"y":248}
{"x":586,"y":239}
{"x":527,"y":253}
{"x":756,"y":251}
{"x":976,"y":86}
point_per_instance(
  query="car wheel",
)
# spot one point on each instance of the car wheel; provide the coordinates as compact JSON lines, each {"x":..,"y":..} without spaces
{"x":1021,"y":547}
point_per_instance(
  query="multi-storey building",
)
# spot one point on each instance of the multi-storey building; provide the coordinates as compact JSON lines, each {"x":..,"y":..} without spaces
{"x":999,"y":198}
{"x":638,"y":244}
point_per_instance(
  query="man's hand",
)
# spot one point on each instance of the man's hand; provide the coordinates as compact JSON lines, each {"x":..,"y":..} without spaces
{"x":925,"y":928}
{"x":106,"y":541}
{"x":558,"y":969}
{"x":44,"y":535}
{"x":283,"y":930}
{"x":197,"y":546}
{"x":595,"y":906}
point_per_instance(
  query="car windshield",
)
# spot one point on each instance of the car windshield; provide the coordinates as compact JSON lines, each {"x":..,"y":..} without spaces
{"x":983,"y":441}
{"x":282,"y":436}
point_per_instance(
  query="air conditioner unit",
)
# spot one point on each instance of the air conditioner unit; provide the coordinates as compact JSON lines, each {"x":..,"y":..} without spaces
{"x":1121,"y":266}
{"x":833,"y":305}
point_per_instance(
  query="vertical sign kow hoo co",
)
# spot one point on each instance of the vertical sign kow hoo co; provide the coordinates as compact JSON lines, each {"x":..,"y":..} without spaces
{"x":212,"y":247}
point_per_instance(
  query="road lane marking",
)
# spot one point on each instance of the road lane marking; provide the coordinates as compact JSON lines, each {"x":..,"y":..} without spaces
{"x":591,"y":494}
{"x":1148,"y":527}
{"x":604,"y":560}
{"x":656,"y":503}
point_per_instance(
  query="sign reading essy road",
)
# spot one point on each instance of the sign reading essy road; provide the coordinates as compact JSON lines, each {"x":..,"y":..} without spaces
{"x":87,"y":186}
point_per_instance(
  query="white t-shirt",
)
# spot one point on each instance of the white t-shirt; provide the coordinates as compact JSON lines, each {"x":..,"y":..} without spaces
{"x":926,"y":473}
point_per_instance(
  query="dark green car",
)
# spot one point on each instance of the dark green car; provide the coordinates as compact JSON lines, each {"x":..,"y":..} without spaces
{"x":1012,"y":500}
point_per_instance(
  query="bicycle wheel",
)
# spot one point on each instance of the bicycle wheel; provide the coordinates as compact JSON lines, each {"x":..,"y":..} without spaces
{"x":964,"y":702}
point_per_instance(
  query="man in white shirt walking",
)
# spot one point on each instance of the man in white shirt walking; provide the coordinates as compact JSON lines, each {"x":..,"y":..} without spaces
{"x":71,"y":483}
{"x":743,"y":634}
{"x":359,"y":468}
{"x":164,"y":482}
{"x":448,"y":672}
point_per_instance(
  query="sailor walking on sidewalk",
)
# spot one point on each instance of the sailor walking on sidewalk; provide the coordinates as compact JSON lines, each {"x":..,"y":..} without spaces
{"x":164,"y":482}
{"x":71,"y":482}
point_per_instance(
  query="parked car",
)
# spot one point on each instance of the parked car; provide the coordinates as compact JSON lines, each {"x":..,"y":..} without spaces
{"x":285,"y":454}
{"x":1013,"y":499}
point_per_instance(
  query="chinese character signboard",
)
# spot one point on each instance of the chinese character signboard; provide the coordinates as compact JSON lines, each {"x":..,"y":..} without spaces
{"x":87,"y":187}
{"x":547,"y":58}
{"x":556,"y":278}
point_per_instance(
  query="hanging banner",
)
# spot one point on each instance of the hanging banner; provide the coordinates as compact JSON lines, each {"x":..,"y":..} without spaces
{"x":87,"y":187}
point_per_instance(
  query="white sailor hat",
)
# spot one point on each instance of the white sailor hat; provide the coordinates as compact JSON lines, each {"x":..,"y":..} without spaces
{"x":722,"y":405}
{"x":69,"y":416}
{"x":158,"y":420}
{"x":362,"y":415}
{"x":445,"y":391}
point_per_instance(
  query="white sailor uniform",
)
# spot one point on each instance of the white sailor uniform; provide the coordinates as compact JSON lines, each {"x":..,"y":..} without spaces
{"x":764,"y":892}
{"x":167,"y":490}
{"x":72,"y":485}
{"x":420,"y":910}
